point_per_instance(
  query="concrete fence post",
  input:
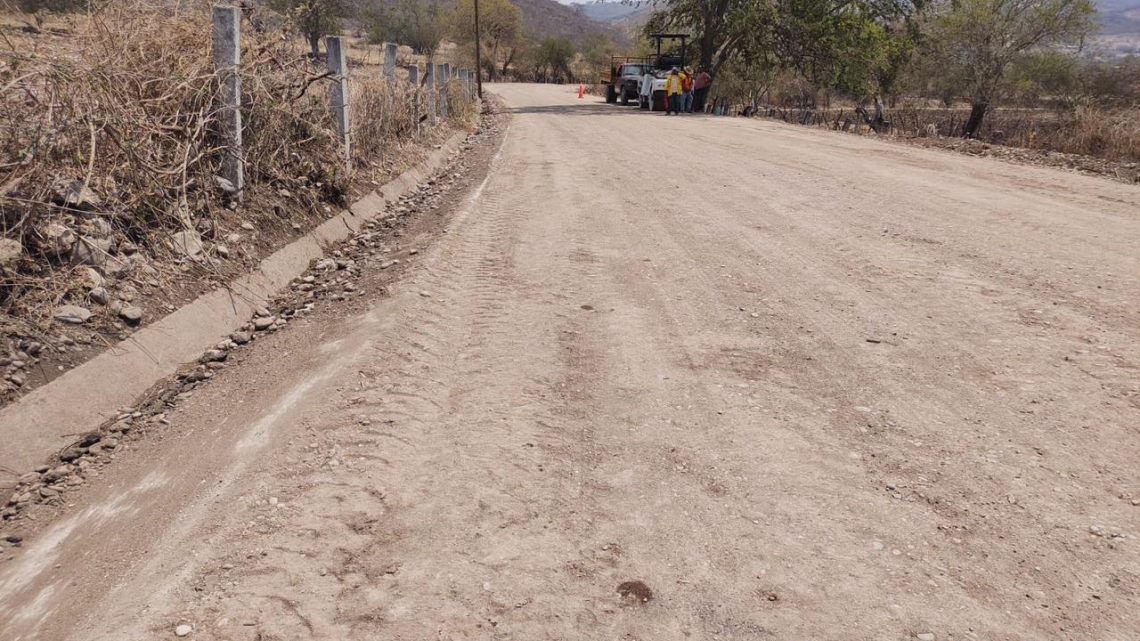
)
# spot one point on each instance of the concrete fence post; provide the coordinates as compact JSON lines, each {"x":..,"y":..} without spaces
{"x":390,"y":51}
{"x":338,"y":94}
{"x":462,"y":75}
{"x":227,"y":57}
{"x":414,"y":81}
{"x":429,"y":90}
{"x":443,"y":72}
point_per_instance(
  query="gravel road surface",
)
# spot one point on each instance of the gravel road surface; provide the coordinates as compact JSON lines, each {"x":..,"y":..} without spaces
{"x":656,"y":378}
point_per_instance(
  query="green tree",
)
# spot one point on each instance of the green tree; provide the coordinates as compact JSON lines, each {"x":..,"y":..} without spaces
{"x":1044,"y":74}
{"x":973,"y":44}
{"x":414,"y":23}
{"x":314,"y":18}
{"x":500,"y":27}
{"x":551,"y":60}
{"x":596,"y":51}
{"x":718,"y":27}
{"x":854,"y":45}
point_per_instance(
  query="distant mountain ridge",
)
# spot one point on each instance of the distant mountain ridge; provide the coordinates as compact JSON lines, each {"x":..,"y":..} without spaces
{"x":626,"y":16}
{"x":1120,"y":28}
{"x":1119,"y":16}
{"x":547,"y":19}
{"x":541,"y":19}
{"x":606,"y":10}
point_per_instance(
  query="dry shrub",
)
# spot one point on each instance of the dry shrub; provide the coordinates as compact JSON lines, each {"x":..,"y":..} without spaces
{"x":128,"y":109}
{"x":1109,"y":134}
{"x":121,"y":103}
{"x":461,"y":107}
{"x":382,"y":114}
{"x":388,"y":118}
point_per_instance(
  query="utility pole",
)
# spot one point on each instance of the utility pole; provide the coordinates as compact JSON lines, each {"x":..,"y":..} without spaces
{"x":478,"y":55}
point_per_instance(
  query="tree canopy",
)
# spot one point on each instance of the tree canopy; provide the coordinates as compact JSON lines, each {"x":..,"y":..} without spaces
{"x":500,"y":27}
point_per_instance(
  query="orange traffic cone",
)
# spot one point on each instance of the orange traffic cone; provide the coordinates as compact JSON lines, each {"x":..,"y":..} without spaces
{"x":581,"y":91}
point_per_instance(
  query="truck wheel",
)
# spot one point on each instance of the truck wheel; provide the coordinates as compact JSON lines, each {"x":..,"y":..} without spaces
{"x":624,"y":99}
{"x":611,"y":95}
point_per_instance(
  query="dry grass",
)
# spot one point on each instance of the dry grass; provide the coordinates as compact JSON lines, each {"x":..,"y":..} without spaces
{"x":123,"y":103}
{"x":1112,"y":135}
{"x":1109,"y":134}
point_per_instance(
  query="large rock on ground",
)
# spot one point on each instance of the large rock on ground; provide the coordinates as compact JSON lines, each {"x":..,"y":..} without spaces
{"x":58,"y":239}
{"x":91,"y":251}
{"x":132,"y":314}
{"x":91,"y":278}
{"x":74,"y":194}
{"x":72,"y":314}
{"x":187,"y":243}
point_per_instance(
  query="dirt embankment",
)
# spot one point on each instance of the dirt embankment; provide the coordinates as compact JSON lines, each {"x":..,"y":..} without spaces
{"x":112,"y":208}
{"x":379,"y":249}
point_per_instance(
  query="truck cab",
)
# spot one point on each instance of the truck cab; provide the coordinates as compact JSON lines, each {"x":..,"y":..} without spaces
{"x":643,"y":79}
{"x":625,"y":80}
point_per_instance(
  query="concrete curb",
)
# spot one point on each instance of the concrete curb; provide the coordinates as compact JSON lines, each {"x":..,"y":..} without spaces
{"x":51,"y":417}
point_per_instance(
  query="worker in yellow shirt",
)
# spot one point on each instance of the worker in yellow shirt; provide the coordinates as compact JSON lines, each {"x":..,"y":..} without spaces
{"x":673,"y":92}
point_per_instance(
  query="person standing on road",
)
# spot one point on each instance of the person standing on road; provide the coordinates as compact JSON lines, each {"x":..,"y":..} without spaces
{"x":646,"y":96}
{"x":673,"y":92}
{"x":687,"y":91}
{"x":701,"y":90}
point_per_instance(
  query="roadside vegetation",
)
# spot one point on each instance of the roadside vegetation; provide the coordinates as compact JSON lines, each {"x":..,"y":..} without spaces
{"x":1007,"y":71}
{"x":113,"y":208}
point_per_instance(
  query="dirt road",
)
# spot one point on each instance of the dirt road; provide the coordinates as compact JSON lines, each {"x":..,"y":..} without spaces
{"x":769,"y":382}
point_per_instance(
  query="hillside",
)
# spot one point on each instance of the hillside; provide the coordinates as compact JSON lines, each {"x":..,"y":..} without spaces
{"x":1120,"y":27}
{"x":626,"y":17}
{"x":1120,"y":17}
{"x":547,"y":18}
{"x":541,"y":19}
{"x":606,"y":10}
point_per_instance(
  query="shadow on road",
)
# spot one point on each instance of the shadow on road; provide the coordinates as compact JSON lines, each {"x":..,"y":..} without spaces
{"x":583,"y":108}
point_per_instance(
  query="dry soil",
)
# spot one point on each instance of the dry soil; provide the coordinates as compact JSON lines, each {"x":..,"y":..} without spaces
{"x":659,"y":378}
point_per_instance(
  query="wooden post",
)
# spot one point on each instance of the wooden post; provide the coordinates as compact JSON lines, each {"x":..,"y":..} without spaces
{"x":227,"y":57}
{"x":338,"y":67}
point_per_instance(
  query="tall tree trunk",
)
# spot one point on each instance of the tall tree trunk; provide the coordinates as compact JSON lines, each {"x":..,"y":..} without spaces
{"x":494,"y":60}
{"x":974,"y":124}
{"x":508,"y":61}
{"x":707,"y":50}
{"x":315,"y":44}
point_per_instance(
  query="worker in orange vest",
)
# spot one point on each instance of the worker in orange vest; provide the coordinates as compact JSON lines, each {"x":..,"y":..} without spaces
{"x":687,"y":91}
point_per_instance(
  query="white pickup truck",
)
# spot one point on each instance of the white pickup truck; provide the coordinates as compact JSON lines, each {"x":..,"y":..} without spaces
{"x":652,"y":93}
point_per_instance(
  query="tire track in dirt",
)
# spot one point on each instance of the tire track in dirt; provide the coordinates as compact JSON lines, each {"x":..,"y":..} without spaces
{"x":629,"y":395}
